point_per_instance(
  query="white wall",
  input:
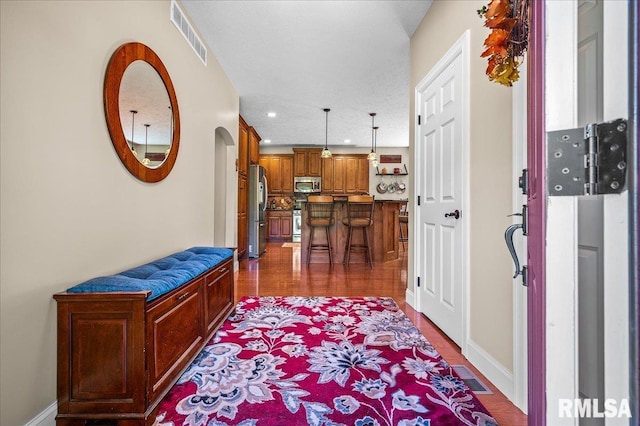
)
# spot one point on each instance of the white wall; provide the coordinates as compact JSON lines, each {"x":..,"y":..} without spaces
{"x":69,"y":210}
{"x":490,"y":180}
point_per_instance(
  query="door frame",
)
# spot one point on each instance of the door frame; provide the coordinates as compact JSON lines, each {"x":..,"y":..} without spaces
{"x":519,"y":161}
{"x":460,"y":48}
{"x":536,"y":196}
{"x":561,"y":237}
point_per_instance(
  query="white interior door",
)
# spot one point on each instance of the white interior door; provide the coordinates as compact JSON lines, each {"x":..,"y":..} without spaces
{"x":441,"y":149}
{"x":587,"y":256}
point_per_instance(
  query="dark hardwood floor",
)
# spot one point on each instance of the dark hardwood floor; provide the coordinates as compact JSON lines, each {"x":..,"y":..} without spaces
{"x":278,"y":273}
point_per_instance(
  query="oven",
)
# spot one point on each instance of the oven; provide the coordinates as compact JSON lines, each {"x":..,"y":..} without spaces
{"x":307,"y":185}
{"x":296,"y":234}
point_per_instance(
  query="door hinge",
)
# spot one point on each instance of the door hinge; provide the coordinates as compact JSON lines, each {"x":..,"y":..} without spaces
{"x":418,"y":284}
{"x":588,"y":160}
{"x":418,"y":200}
{"x":419,"y":119}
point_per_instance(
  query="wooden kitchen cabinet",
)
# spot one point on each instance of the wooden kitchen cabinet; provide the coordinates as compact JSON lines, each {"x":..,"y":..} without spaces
{"x":279,"y":225}
{"x":357,"y":175}
{"x":279,"y":170}
{"x":327,"y":175}
{"x":243,"y":194}
{"x":248,"y":153}
{"x":254,"y":146}
{"x":339,"y":175}
{"x":243,"y":197}
{"x":345,"y":174}
{"x":307,"y":162}
{"x":243,"y":148}
{"x":286,"y":174}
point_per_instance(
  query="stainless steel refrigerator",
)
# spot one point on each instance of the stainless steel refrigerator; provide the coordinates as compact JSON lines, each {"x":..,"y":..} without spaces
{"x":258,"y":193}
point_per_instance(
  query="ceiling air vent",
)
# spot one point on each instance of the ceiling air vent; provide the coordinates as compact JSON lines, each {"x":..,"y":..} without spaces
{"x":182,"y":23}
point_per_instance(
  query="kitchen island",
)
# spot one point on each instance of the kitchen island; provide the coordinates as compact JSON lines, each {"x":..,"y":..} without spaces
{"x":383,"y":233}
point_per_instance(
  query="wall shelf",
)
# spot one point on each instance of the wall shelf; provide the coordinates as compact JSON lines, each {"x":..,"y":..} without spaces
{"x":405,"y":173}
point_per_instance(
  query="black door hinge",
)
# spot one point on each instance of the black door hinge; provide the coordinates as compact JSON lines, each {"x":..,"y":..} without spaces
{"x":588,"y":160}
{"x":418,"y":200}
{"x":418,"y":282}
{"x":419,"y":119}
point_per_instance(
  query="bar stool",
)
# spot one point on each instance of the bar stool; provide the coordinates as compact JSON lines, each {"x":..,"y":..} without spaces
{"x":319,"y":215}
{"x":403,"y":219}
{"x":359,"y":215}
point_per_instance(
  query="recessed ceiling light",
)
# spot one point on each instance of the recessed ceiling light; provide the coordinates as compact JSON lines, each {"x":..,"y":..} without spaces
{"x":267,"y":141}
{"x":347,"y":141}
{"x":271,"y":114}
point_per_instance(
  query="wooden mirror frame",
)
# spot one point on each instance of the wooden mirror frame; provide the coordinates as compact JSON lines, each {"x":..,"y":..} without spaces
{"x":120,"y":60}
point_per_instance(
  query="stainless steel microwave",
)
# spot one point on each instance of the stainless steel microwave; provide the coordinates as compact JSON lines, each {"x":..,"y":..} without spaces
{"x":307,"y":185}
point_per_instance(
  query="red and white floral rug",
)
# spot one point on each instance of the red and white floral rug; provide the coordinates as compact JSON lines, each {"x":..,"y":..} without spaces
{"x":320,"y":361}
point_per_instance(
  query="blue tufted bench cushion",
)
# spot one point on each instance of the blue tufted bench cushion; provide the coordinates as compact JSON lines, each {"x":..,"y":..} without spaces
{"x":161,"y":276}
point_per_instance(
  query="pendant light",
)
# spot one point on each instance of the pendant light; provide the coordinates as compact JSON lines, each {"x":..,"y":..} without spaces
{"x":374,"y":162}
{"x":372,"y":154}
{"x":146,"y":160}
{"x":133,"y":121}
{"x":325,"y":152}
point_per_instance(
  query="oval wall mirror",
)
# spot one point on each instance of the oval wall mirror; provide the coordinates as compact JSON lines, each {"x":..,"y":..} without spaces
{"x":141,"y":109}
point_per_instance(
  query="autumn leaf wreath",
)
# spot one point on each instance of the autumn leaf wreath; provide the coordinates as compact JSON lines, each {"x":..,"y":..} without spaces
{"x":507,"y":41}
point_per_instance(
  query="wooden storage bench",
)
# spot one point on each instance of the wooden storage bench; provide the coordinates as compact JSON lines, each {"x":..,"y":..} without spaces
{"x":124,"y":340}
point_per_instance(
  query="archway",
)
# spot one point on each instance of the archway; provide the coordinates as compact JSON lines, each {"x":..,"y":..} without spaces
{"x":224,"y":194}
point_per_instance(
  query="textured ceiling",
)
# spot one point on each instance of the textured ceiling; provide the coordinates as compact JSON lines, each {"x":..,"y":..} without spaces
{"x":297,"y":57}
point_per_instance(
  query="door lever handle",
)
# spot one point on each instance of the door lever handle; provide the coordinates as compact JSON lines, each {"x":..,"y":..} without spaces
{"x":454,"y":214}
{"x":508,"y":237}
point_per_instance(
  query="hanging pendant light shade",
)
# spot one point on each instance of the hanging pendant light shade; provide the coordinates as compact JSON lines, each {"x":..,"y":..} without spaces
{"x":325,"y":152}
{"x":133,"y":121}
{"x":146,"y":160}
{"x":372,"y":155}
{"x":374,"y":161}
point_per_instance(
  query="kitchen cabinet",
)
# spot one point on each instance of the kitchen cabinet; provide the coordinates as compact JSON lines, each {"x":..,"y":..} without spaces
{"x":243,"y":197}
{"x":254,"y":146}
{"x":243,"y":148}
{"x":307,"y":162}
{"x":243,"y":194}
{"x":279,"y":169}
{"x":345,"y":174}
{"x":248,"y":153}
{"x":357,"y":175}
{"x":327,"y":175}
{"x":279,"y":225}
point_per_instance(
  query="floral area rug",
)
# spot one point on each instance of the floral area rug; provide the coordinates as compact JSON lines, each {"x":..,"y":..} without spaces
{"x":320,"y":361}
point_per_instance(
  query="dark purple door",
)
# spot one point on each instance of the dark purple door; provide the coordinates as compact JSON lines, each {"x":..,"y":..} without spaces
{"x":536,"y":218}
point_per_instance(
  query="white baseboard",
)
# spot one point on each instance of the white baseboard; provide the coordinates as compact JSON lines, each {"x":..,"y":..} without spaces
{"x":495,"y":372}
{"x":410,"y":298}
{"x":45,"y":418}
